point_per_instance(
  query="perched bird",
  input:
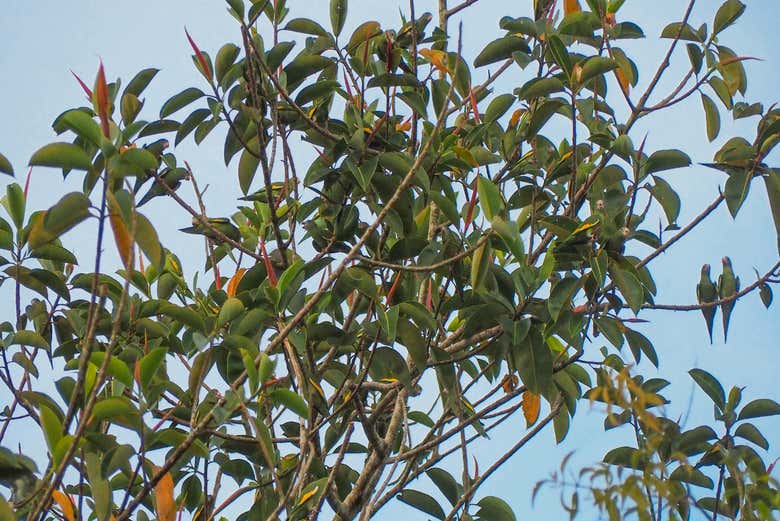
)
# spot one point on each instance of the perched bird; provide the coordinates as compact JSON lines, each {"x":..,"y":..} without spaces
{"x":542,"y":8}
{"x":706,"y":291}
{"x":220,"y":224}
{"x":172,"y":177}
{"x":728,"y":285}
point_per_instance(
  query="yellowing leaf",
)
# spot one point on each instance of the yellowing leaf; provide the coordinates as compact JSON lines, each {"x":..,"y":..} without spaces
{"x":571,"y":6}
{"x":623,"y":80}
{"x":308,"y":495}
{"x":436,"y":57}
{"x":405,"y":126}
{"x":234,"y":281}
{"x":65,"y":504}
{"x":531,"y":403}
{"x":124,"y":244}
{"x":164,"y":504}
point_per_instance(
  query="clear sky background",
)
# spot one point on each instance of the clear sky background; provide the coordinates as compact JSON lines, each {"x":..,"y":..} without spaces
{"x":42,"y":40}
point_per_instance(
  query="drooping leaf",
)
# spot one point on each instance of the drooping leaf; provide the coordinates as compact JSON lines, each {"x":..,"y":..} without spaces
{"x":710,"y":385}
{"x":759,"y":408}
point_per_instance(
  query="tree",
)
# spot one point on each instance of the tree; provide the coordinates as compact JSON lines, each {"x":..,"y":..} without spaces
{"x":441,"y":267}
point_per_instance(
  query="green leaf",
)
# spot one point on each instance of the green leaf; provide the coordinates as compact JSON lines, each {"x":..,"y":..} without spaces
{"x":28,"y":338}
{"x":247,"y":168}
{"x":668,"y":198}
{"x":83,"y":125}
{"x":501,"y":49}
{"x":291,"y":400}
{"x":510,"y":236}
{"x":692,"y":475}
{"x":6,"y":512}
{"x":480,"y":264}
{"x":148,"y":241}
{"x":446,"y":484}
{"x":112,"y":409}
{"x":710,"y":385}
{"x":539,"y":88}
{"x":562,"y":294}
{"x":759,"y":409}
{"x":338,"y":15}
{"x":148,"y":365}
{"x":278,"y":53}
{"x":180,"y":100}
{"x":727,"y":15}
{"x":61,"y":155}
{"x":749,"y":432}
{"x":305,"y":26}
{"x":626,"y":457}
{"x":231,"y":309}
{"x":140,"y":81}
{"x":533,"y":361}
{"x":765,"y":292}
{"x":629,"y":287}
{"x":422,"y":501}
{"x":116,"y":368}
{"x":5,"y":166}
{"x":685,"y":31}
{"x":51,"y":424}
{"x":666,"y":160}
{"x":595,"y":66}
{"x":226,"y":57}
{"x":639,"y":343}
{"x":737,"y":188}
{"x":15,"y":203}
{"x":712,"y":117}
{"x":772,"y":182}
{"x":498,"y":107}
{"x":490,"y":200}
{"x":492,"y":508}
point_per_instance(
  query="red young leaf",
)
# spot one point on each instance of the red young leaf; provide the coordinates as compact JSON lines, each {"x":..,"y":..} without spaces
{"x":204,"y":64}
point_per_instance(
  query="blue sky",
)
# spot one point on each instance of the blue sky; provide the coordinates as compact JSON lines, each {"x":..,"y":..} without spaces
{"x":43,"y":40}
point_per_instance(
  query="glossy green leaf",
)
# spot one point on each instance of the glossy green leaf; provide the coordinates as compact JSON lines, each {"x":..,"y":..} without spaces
{"x":749,"y":432}
{"x":501,"y":49}
{"x":5,"y":166}
{"x":140,"y":81}
{"x":15,"y":203}
{"x":666,"y":160}
{"x":668,"y":198}
{"x":62,"y":155}
{"x":727,"y":14}
{"x":230,"y":310}
{"x":712,"y":117}
{"x":710,"y":385}
{"x":83,"y":126}
{"x":180,"y":100}
{"x":492,"y":508}
{"x":290,"y":400}
{"x":759,"y":408}
{"x":338,"y":15}
{"x":446,"y":484}
{"x":772,"y":183}
{"x":149,"y":364}
{"x":422,"y":501}
{"x":490,"y":200}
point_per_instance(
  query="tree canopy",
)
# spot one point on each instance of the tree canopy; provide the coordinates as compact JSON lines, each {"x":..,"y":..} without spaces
{"x":455,"y":256}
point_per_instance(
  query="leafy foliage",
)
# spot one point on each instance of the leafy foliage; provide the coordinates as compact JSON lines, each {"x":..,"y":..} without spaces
{"x":442,"y":266}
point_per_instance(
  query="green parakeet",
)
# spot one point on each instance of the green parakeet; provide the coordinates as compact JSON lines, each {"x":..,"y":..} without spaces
{"x":172,"y":177}
{"x":728,"y":285}
{"x":706,"y":291}
{"x":221,"y":224}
